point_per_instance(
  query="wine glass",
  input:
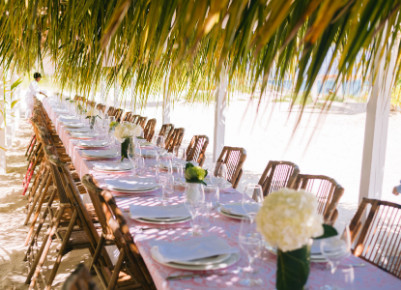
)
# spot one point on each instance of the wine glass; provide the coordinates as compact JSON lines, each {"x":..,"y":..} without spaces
{"x":131,"y":155}
{"x":251,"y":243}
{"x":212,"y":196}
{"x":194,"y":202}
{"x":252,"y":199}
{"x":335,"y":249}
{"x":139,"y":164}
{"x":221,"y":171}
{"x":160,"y":141}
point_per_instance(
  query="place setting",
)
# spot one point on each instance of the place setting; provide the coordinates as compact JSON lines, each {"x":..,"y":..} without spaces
{"x":133,"y":185}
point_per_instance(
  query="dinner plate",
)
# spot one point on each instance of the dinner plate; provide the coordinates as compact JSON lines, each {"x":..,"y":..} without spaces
{"x":74,"y":125}
{"x":132,"y":185}
{"x":314,"y":257}
{"x":160,"y":221}
{"x":230,"y":260}
{"x":205,"y":261}
{"x":230,"y":215}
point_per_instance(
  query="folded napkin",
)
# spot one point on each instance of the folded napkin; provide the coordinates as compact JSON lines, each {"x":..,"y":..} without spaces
{"x":93,"y":143}
{"x":192,"y":249}
{"x":113,"y":166}
{"x":154,"y":212}
{"x":238,"y":208}
{"x":110,"y":153}
{"x":132,"y":184}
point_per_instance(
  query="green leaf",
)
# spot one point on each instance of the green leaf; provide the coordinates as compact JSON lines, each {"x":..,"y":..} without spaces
{"x":13,"y":103}
{"x":16,"y":84}
{"x":328,"y":231}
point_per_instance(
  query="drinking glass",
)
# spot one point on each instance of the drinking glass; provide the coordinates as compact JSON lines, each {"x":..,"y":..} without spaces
{"x":252,"y":199}
{"x":222,"y":171}
{"x":160,"y":141}
{"x":194,"y":204}
{"x":131,"y":155}
{"x":212,"y":196}
{"x":166,"y":181}
{"x":251,"y":244}
{"x":335,"y":249}
{"x":139,"y":165}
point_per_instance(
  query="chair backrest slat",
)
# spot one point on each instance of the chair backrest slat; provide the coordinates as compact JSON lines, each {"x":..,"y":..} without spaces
{"x":166,"y":129}
{"x":377,"y":239}
{"x":174,"y":139}
{"x":278,"y":174}
{"x":196,"y":150}
{"x":233,"y":158}
{"x":328,"y":193}
{"x":149,"y":130}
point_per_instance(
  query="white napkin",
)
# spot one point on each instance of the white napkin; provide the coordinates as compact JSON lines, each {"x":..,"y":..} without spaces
{"x":192,"y":249}
{"x":238,"y":208}
{"x":112,"y":166}
{"x":110,"y":153}
{"x":167,"y":211}
{"x":93,"y":143}
{"x":132,"y":184}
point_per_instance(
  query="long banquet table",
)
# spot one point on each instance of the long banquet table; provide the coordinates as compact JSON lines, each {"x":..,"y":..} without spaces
{"x":365,"y":277}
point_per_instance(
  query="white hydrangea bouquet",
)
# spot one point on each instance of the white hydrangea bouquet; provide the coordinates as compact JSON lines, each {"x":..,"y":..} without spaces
{"x":288,"y":220}
{"x":92,"y":114}
{"x":124,"y":133}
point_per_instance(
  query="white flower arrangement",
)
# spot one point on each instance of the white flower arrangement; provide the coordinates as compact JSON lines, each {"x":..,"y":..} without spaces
{"x":92,"y":112}
{"x":126,"y":130}
{"x":288,"y":219}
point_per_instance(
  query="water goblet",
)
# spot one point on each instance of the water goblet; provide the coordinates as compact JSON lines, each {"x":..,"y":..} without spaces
{"x":221,"y":170}
{"x":194,"y":202}
{"x":252,"y":199}
{"x":251,"y":244}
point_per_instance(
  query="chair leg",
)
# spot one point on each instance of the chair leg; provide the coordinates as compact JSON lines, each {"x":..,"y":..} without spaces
{"x":40,"y":195}
{"x":44,"y":249}
{"x":61,"y":251}
{"x":30,"y":144}
{"x":116,"y":272}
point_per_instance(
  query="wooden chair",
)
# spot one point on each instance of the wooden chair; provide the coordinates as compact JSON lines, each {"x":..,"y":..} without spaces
{"x":110,"y":111}
{"x":378,"y":238}
{"x":69,"y":224}
{"x":129,"y":270}
{"x":80,"y":279}
{"x":91,"y":104}
{"x":134,"y":118}
{"x":328,"y":193}
{"x":118,"y":114}
{"x":174,"y":139}
{"x":127,"y":116}
{"x":141,"y":121}
{"x":149,"y":130}
{"x":166,"y":129}
{"x":196,"y":150}
{"x":101,"y":107}
{"x":233,"y":158}
{"x":278,"y":174}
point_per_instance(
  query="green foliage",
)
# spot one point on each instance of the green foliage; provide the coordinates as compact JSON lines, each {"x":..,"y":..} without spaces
{"x":143,"y":43}
{"x":195,"y":174}
{"x":328,"y":231}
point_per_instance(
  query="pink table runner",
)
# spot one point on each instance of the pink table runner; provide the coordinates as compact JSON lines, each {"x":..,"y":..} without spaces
{"x":367,"y":277}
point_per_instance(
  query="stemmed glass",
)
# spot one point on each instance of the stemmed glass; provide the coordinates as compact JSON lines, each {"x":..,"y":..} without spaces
{"x":212,"y":196}
{"x":335,"y":249}
{"x":160,"y":141}
{"x":222,"y":171}
{"x":195,"y":204}
{"x":251,"y":243}
{"x":252,"y":199}
{"x":131,"y":156}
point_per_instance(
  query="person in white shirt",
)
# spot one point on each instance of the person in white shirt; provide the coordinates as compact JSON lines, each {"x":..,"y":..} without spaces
{"x":33,"y":91}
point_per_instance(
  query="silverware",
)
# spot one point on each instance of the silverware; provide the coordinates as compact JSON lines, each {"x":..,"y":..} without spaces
{"x":191,"y":276}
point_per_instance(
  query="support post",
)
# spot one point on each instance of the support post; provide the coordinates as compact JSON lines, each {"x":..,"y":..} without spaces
{"x":220,"y":114}
{"x":166,"y":100}
{"x":376,"y":126}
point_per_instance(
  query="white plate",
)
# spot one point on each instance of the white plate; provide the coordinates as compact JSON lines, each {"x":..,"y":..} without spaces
{"x":232,"y":259}
{"x":205,"y":261}
{"x":74,"y":125}
{"x":315,"y":258}
{"x":237,"y":217}
{"x":132,"y":185}
{"x":163,"y":222}
{"x":112,"y":167}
